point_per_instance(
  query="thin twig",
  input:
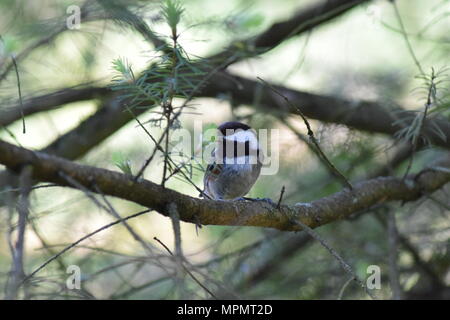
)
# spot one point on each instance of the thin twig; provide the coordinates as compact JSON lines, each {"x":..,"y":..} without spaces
{"x":48,"y":185}
{"x":175,"y":216}
{"x":180,"y":110}
{"x":19,"y":89}
{"x":333,"y":252}
{"x":81,"y":240}
{"x":416,"y":138}
{"x":167,"y":105}
{"x":341,"y":292}
{"x":405,"y":36}
{"x":310,"y":144}
{"x":20,"y":93}
{"x":114,"y":213}
{"x":394,"y":276}
{"x":187,"y":270}
{"x":283,"y":189}
{"x":337,"y":173}
{"x":110,"y":209}
{"x":159,"y":148}
{"x":12,"y":135}
{"x":175,"y":117}
{"x":24,"y":53}
{"x":17,"y":269}
{"x":408,"y":246}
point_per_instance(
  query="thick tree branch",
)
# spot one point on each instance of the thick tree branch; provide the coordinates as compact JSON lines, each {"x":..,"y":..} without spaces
{"x":277,"y":258}
{"x":362,"y":115}
{"x":50,"y":101}
{"x":77,"y":142}
{"x":109,"y":118}
{"x":303,"y":21}
{"x":88,"y":14}
{"x":208,"y":212}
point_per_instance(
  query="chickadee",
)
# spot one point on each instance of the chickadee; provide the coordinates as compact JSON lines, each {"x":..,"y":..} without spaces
{"x":236,"y":162}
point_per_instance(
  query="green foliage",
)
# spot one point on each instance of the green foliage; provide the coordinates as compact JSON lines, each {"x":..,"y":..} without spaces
{"x":410,"y":132}
{"x":433,"y":104}
{"x":172,"y":11}
{"x":153,"y":86}
{"x":438,"y":81}
{"x":170,"y":75}
{"x":122,"y":162}
{"x":8,"y":45}
{"x":113,"y":266}
{"x":124,"y":71}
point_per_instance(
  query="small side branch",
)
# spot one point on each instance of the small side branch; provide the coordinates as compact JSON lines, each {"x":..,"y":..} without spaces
{"x":319,"y":212}
{"x":335,"y":171}
{"x":105,"y":227}
{"x":186,"y":269}
{"x":394,"y":276}
{"x":17,"y":269}
{"x":333,"y":252}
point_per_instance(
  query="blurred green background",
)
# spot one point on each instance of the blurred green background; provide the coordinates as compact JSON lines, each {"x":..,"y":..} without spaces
{"x":361,"y":55}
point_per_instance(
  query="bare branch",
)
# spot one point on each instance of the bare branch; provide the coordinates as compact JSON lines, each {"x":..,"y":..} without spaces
{"x":17,"y":269}
{"x":305,"y":20}
{"x":50,"y":101}
{"x":313,"y":139}
{"x":394,"y":276}
{"x":32,"y":274}
{"x":336,"y":255}
{"x":187,"y":270}
{"x":316,"y":213}
{"x":362,"y":115}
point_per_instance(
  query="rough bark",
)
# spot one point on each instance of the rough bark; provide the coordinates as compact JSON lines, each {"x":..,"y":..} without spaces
{"x":208,"y":212}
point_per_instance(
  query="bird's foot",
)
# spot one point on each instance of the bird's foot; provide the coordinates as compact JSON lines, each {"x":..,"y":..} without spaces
{"x":267,"y":200}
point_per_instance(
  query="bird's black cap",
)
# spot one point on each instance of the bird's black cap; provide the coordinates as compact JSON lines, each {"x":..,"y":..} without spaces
{"x":232,"y":126}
